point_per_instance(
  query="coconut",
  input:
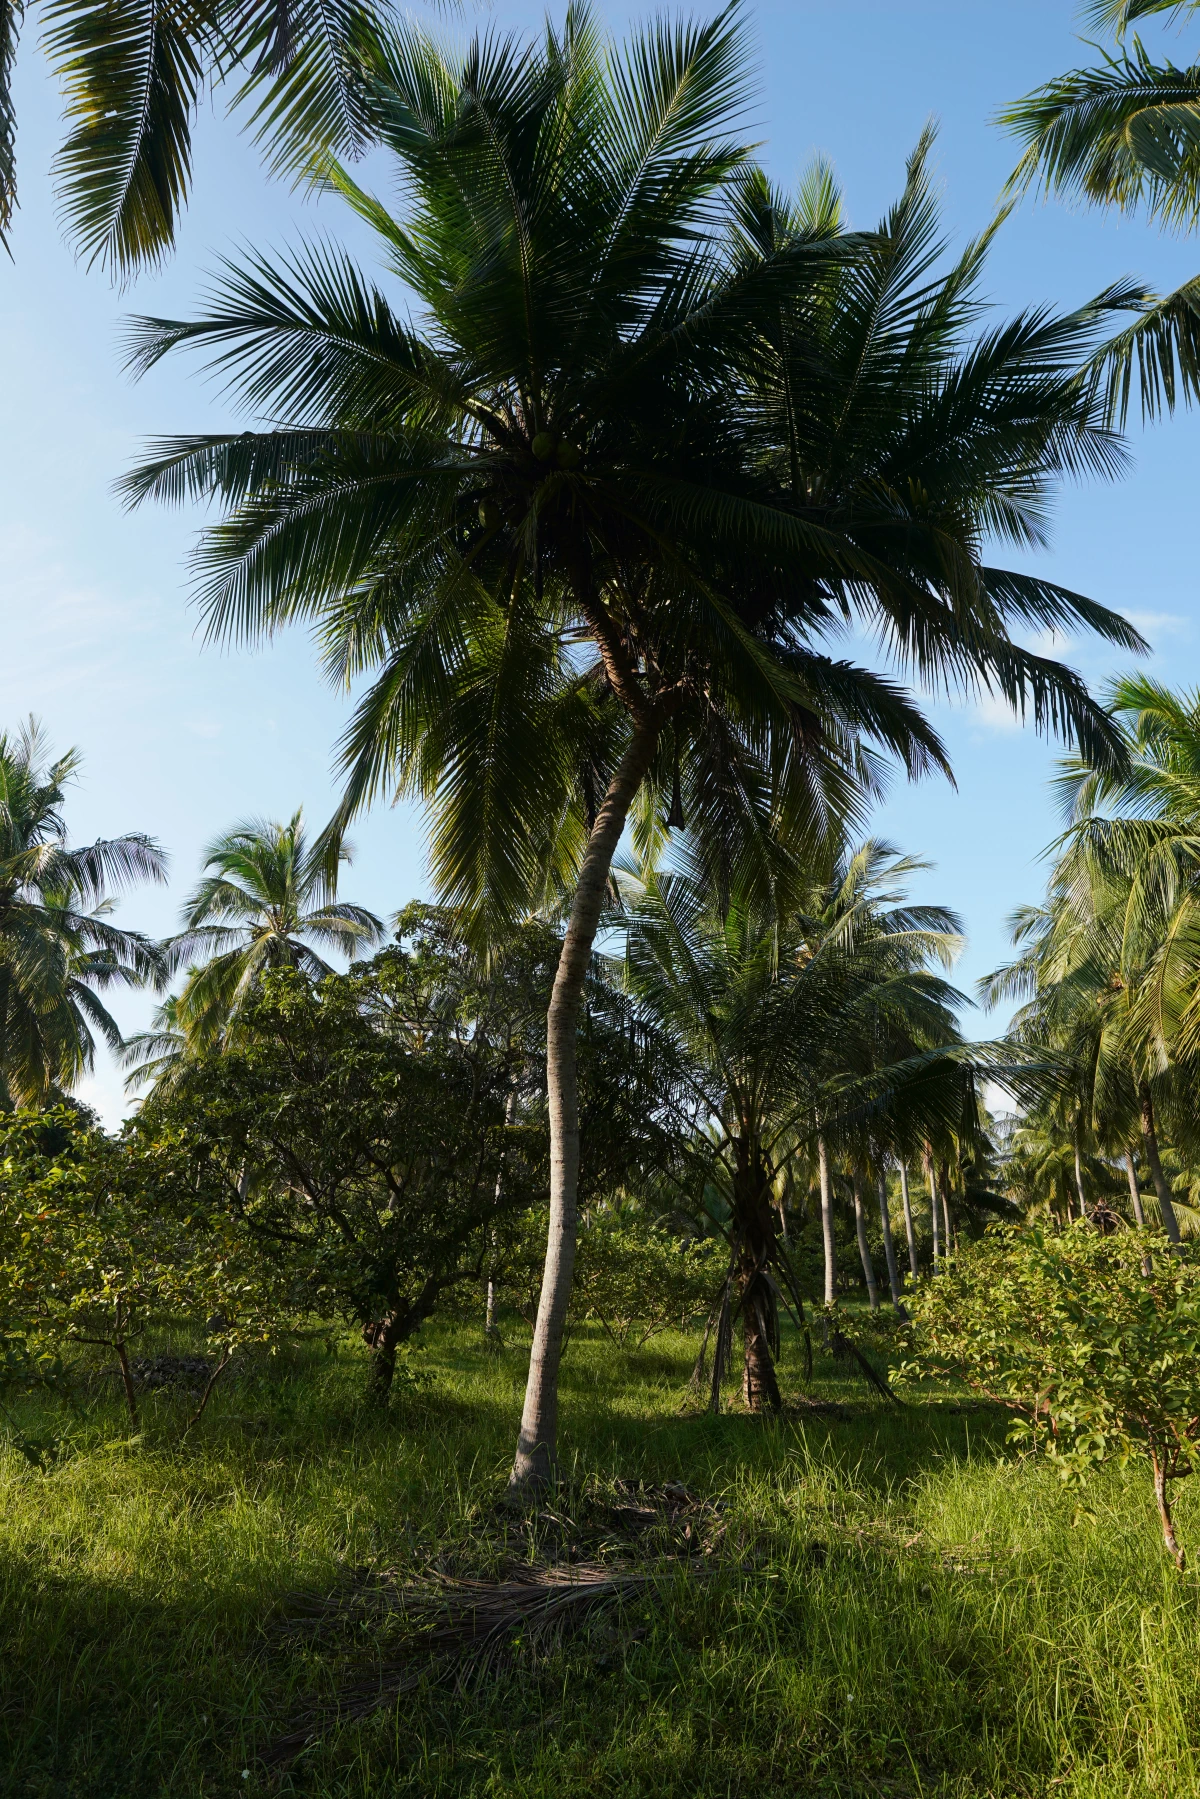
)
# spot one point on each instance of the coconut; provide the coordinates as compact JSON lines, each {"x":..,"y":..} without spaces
{"x":543,"y":446}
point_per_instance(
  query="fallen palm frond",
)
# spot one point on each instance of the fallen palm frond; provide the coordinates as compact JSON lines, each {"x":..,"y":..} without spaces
{"x":849,"y":1353}
{"x":460,"y":1630}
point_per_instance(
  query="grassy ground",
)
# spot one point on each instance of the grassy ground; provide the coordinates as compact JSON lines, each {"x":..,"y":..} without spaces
{"x":891,"y":1605}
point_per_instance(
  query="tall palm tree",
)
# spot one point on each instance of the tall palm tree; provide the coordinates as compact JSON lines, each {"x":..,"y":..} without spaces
{"x":654,"y":432}
{"x":58,"y":950}
{"x":266,"y":899}
{"x":1110,"y":964}
{"x":1126,"y":133}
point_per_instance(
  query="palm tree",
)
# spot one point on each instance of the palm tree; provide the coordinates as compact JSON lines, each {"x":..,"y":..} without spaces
{"x":656,"y":432}
{"x":58,"y":950}
{"x":266,"y":899}
{"x":1110,"y":964}
{"x":134,"y":78}
{"x":156,"y":1057}
{"x":778,"y":1030}
{"x":1126,"y":133}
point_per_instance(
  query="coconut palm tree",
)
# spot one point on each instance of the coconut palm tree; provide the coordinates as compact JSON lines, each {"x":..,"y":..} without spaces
{"x":589,"y":516}
{"x":780,"y":1029}
{"x":265,"y":901}
{"x":1126,"y":133}
{"x":58,"y":950}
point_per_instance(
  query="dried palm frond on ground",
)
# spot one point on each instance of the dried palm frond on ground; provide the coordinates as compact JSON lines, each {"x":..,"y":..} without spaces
{"x":458,"y":1630}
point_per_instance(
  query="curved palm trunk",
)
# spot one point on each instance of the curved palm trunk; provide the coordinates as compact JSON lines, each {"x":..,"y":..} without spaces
{"x":829,"y":1244}
{"x":933,"y":1203}
{"x":1083,"y":1211}
{"x":1161,"y":1185}
{"x":1135,"y":1192}
{"x":909,"y":1232}
{"x":860,"y":1225}
{"x":889,"y":1248}
{"x":534,"y":1463}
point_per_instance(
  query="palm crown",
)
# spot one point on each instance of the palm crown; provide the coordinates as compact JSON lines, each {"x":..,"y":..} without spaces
{"x":1126,"y":133}
{"x":264,"y":902}
{"x":58,"y":950}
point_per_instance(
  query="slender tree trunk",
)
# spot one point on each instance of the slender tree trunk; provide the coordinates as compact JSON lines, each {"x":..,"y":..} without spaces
{"x":122,"y":1349}
{"x":1135,"y":1194}
{"x":1161,"y":1185}
{"x":1083,"y":1211}
{"x":933,"y":1202}
{"x":908,"y":1223}
{"x":889,"y":1248}
{"x":947,"y":1226}
{"x":860,"y":1225}
{"x":827,"y":1238}
{"x":783,"y":1229}
{"x":1164,"y":1510}
{"x":534,"y":1464}
{"x":491,"y":1335}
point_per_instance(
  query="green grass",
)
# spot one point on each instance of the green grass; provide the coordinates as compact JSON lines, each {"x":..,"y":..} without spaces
{"x":895,"y":1605}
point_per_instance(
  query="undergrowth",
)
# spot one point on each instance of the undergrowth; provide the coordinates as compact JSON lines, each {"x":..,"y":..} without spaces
{"x":875,"y":1601}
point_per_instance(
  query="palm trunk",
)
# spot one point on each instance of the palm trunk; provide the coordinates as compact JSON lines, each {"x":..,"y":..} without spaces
{"x":535,"y":1460}
{"x":1083,"y":1211}
{"x":860,"y":1225}
{"x":933,"y":1203}
{"x":1135,"y":1193}
{"x":947,"y":1226}
{"x":889,"y":1248}
{"x":908,"y":1223}
{"x":828,"y":1243}
{"x":1161,"y":1187}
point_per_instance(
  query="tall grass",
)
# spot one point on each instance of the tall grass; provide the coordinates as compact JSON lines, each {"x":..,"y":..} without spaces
{"x":894,"y":1606}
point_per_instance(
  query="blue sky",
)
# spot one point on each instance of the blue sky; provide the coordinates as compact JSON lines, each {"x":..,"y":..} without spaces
{"x":181,"y":740}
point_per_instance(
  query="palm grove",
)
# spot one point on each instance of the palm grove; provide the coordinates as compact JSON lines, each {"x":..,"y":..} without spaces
{"x":578,"y":492}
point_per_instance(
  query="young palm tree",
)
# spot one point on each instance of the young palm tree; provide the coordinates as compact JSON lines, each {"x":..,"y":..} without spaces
{"x":779,"y":1030}
{"x":58,"y":951}
{"x":1126,"y":133}
{"x":265,"y":901}
{"x":653,"y":433}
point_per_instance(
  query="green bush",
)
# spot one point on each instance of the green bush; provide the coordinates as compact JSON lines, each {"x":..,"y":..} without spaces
{"x":1092,"y":1341}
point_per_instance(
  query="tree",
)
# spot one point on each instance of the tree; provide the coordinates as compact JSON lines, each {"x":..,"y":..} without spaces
{"x":590,"y":517}
{"x":1126,"y":133}
{"x":777,"y":1028}
{"x":100,"y":1237}
{"x":266,"y":899}
{"x":133,"y":80}
{"x":1091,"y":1339}
{"x":58,"y":950}
{"x":1110,"y":964}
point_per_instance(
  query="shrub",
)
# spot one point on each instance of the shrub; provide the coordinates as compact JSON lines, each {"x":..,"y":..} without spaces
{"x":1092,"y":1341}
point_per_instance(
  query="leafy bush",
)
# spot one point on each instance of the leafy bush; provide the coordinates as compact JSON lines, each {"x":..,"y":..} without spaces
{"x":1092,"y":1341}
{"x":636,"y":1280}
{"x":101,"y":1236}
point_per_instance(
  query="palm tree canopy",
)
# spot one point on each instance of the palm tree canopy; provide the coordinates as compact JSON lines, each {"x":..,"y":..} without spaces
{"x":1126,"y":133}
{"x":265,"y":901}
{"x":133,"y":79}
{"x":58,"y":950}
{"x":651,"y":435}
